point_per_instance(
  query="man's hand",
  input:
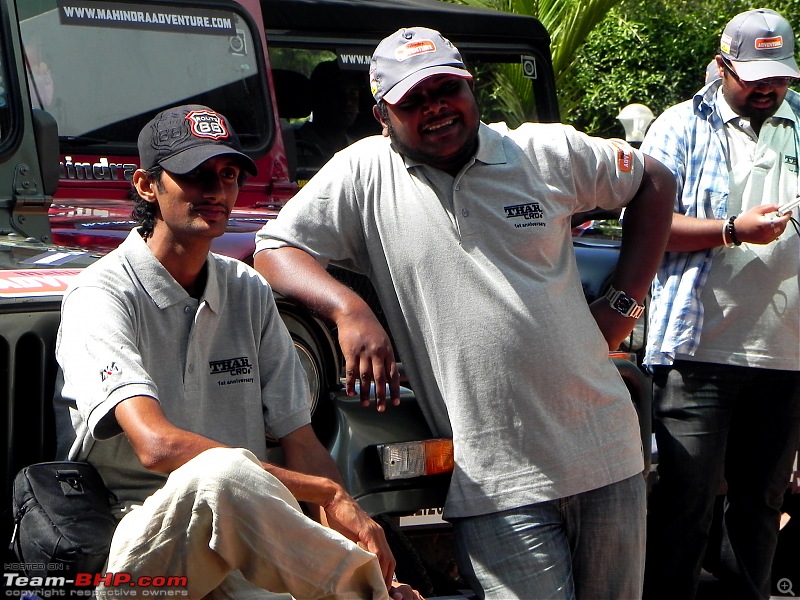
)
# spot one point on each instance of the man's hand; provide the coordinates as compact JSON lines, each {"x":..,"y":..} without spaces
{"x":403,"y":591}
{"x":349,"y":519}
{"x":313,"y":477}
{"x":758,"y":225}
{"x":761,"y":224}
{"x":366,"y":347}
{"x":369,"y":358}
{"x":615,"y":327}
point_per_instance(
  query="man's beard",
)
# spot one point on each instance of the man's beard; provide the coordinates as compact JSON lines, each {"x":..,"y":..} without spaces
{"x":759,"y":115}
{"x":431,"y":158}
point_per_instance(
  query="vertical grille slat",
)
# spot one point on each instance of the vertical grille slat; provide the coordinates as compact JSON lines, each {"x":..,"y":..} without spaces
{"x":27,"y":380}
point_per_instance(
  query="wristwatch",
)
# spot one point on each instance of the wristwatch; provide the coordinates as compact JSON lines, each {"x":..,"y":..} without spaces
{"x":623,"y":304}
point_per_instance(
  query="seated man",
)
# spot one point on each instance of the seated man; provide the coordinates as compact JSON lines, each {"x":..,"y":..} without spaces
{"x":175,"y":364}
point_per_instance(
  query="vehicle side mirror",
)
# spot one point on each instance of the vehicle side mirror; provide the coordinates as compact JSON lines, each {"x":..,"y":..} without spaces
{"x":45,"y":130}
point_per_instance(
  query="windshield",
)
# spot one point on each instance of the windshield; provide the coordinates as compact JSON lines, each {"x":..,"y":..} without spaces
{"x":103,"y":68}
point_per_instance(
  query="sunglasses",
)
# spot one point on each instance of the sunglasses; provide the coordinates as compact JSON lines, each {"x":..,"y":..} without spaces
{"x":767,"y":81}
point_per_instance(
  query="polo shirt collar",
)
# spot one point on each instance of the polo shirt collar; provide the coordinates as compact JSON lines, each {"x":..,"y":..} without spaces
{"x":490,"y":146}
{"x":159,"y":284}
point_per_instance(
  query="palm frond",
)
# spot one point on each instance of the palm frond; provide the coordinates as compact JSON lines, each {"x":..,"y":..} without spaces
{"x":568,"y":22}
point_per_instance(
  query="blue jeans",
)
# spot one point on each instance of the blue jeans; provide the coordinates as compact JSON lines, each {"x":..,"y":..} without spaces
{"x":714,"y":422}
{"x":590,"y":546}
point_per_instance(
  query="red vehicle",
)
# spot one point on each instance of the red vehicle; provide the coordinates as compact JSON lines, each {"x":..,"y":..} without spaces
{"x":103,"y":67}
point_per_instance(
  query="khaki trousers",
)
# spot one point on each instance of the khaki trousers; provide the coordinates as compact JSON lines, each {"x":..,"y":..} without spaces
{"x":233,"y":531}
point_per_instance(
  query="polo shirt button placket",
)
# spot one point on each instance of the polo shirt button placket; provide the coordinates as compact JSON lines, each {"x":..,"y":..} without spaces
{"x":464,"y":212}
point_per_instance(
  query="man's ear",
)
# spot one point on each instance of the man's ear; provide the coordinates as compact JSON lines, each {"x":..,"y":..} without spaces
{"x":144,"y":185}
{"x":720,"y":66}
{"x":376,"y":112}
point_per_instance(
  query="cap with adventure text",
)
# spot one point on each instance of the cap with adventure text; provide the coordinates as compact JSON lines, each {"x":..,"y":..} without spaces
{"x":182,"y":138}
{"x":760,"y":44}
{"x":407,"y":57}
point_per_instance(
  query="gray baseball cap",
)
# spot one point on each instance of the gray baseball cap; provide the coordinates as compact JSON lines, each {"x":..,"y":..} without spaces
{"x":408,"y":56}
{"x":760,"y":44}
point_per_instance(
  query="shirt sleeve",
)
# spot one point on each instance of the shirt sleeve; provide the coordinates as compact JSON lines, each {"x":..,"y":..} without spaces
{"x":324,"y":218}
{"x":101,"y":364}
{"x":607,"y":173}
{"x":665,"y":142}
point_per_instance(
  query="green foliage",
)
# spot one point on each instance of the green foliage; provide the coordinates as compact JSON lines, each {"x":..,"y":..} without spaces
{"x":567,"y":21}
{"x":609,"y":53}
{"x":654,"y":53}
{"x":503,"y":93}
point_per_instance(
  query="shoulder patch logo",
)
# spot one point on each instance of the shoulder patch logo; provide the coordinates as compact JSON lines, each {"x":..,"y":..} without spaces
{"x":624,"y":156}
{"x":109,"y":371}
{"x":625,"y":160}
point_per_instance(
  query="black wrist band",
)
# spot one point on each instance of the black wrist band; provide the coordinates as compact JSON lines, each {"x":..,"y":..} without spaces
{"x":731,"y":230}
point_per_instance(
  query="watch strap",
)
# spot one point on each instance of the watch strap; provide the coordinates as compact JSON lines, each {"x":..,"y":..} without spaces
{"x":623,"y":303}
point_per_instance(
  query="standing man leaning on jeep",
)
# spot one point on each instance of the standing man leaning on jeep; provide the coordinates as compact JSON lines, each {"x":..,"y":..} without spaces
{"x":724,"y":336}
{"x":464,"y":229}
{"x":176,"y":365}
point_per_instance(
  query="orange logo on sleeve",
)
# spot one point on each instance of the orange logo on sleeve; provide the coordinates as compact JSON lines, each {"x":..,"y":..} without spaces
{"x":624,"y":156}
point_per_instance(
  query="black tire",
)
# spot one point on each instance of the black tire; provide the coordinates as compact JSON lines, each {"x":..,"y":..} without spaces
{"x":319,"y":355}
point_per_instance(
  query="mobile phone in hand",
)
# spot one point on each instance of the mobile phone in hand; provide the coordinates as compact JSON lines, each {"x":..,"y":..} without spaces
{"x":782,"y":210}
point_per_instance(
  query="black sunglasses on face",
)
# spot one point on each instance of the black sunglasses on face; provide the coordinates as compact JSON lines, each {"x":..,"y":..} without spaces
{"x":767,"y":81}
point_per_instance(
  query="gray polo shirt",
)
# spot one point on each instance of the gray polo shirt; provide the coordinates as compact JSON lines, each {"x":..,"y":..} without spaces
{"x":223,"y":366}
{"x":479,"y":282}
